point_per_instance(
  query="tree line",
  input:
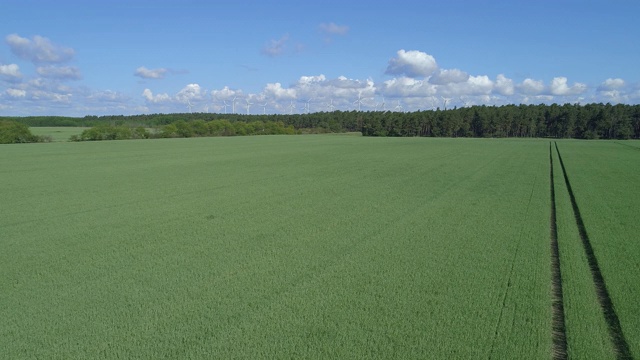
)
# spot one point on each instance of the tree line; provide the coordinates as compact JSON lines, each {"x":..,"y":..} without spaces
{"x":184,"y":129}
{"x":590,"y":121}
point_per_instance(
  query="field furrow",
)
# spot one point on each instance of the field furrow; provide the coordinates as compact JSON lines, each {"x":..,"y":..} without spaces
{"x":557,"y":295}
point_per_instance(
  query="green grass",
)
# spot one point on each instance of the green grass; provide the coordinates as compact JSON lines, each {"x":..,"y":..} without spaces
{"x":605,"y":177}
{"x":276,"y":247}
{"x":57,"y":134}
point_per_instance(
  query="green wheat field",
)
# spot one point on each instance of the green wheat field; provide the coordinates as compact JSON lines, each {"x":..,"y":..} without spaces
{"x":314,"y":247}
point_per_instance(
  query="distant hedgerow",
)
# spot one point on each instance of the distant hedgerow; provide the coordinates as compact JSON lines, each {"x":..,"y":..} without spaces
{"x":109,"y":132}
{"x":12,"y":132}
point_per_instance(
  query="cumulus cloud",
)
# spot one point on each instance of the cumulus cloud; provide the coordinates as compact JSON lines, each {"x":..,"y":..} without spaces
{"x":442,"y":77}
{"x":504,"y":86}
{"x":560,"y":87}
{"x":531,"y":87}
{"x":38,"y":49}
{"x":189,"y":93}
{"x":412,"y":63}
{"x":407,"y":87}
{"x":275,"y":47}
{"x":59,"y":72}
{"x":145,"y":73}
{"x":158,"y":98}
{"x":611,"y":84}
{"x":226,"y":93}
{"x":10,"y":71}
{"x":333,"y":29}
{"x":276,"y":92}
{"x":480,"y":85}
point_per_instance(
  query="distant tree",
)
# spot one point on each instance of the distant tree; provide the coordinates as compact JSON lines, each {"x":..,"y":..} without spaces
{"x":12,"y":132}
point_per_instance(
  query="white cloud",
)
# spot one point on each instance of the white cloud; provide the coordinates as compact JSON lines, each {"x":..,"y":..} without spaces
{"x":59,"y":72}
{"x":52,"y":96}
{"x":309,"y":80}
{"x":412,"y":63}
{"x":145,"y":73}
{"x":158,"y":98}
{"x":333,"y":29}
{"x":559,"y":87}
{"x":504,"y":86}
{"x":531,"y":87}
{"x":226,"y":93}
{"x":611,"y":84}
{"x":38,"y":49}
{"x":16,"y":93}
{"x":480,"y":85}
{"x":190,"y":92}
{"x":442,"y":77}
{"x":276,"y":92}
{"x":407,"y":87}
{"x":11,"y":70}
{"x":275,"y":47}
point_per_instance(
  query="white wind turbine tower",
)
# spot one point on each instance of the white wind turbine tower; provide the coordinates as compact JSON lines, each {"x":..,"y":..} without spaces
{"x":434,"y":103}
{"x":398,"y":107}
{"x":464,"y":101}
{"x":359,"y":100}
{"x":264,"y":108}
{"x":307,"y":106}
{"x":233,"y":105}
{"x":383,"y":105}
{"x":445,"y":101}
{"x":330,"y":106}
{"x":291,"y":107}
{"x":248,"y":105}
{"x":189,"y":106}
{"x":225,"y":105}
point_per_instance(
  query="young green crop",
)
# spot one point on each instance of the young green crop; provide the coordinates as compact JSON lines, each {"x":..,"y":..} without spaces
{"x":586,"y":329}
{"x":605,"y":177}
{"x":280,"y":247}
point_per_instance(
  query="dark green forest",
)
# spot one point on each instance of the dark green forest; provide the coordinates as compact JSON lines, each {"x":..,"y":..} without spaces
{"x":590,"y":121}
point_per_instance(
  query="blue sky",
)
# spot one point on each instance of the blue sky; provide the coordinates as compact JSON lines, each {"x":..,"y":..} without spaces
{"x":134,"y":57}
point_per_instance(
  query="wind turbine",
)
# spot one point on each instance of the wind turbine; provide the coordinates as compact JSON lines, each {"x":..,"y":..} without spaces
{"x":445,"y":101}
{"x":307,"y":106}
{"x":264,"y":108}
{"x":225,"y":105}
{"x":330,"y":106}
{"x":359,"y":100}
{"x":291,"y":107}
{"x":206,"y":108}
{"x":465,"y":102}
{"x":434,"y":103}
{"x":248,"y":105}
{"x":399,"y":107}
{"x":383,"y":105}
{"x":189,"y":106}
{"x":233,"y":105}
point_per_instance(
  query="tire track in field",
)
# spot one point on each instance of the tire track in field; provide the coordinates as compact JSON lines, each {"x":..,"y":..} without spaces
{"x":619,"y":342}
{"x":558,"y":327}
{"x":628,"y":146}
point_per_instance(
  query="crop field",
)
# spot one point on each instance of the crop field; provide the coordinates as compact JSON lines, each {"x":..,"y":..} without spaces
{"x":57,"y":133}
{"x":320,"y":247}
